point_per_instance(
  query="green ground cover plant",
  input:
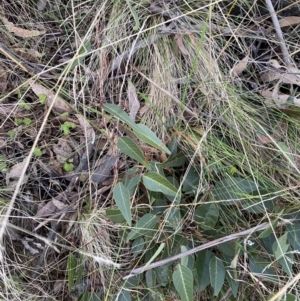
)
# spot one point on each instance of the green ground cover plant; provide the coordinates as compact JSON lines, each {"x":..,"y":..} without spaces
{"x":149,"y":150}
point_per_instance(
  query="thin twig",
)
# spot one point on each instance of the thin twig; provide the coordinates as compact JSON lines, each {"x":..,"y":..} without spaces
{"x":210,"y":244}
{"x":286,"y":56}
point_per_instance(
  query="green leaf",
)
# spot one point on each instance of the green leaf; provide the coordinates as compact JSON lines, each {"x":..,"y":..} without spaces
{"x":129,"y":148}
{"x":172,"y":145}
{"x":262,"y":267}
{"x":43,"y":98}
{"x":71,"y":266}
{"x":150,"y":279}
{"x":12,"y":133}
{"x":232,"y":189}
{"x":217,"y":274}
{"x":207,"y":215}
{"x":191,"y":182}
{"x":183,"y":282}
{"x":157,"y":252}
{"x":202,"y":267}
{"x":146,"y":225}
{"x":122,"y":199}
{"x":293,"y":231}
{"x":68,"y":167}
{"x":286,"y":262}
{"x":140,"y":130}
{"x":132,"y":180}
{"x":147,"y":136}
{"x":173,"y":218}
{"x":135,"y":16}
{"x":280,"y":246}
{"x":27,"y":121}
{"x":184,"y":260}
{"x":233,"y":284}
{"x":24,"y":105}
{"x":3,"y":164}
{"x":18,"y":121}
{"x":287,"y":297}
{"x":158,"y":183}
{"x":66,"y":126}
{"x":124,"y":296}
{"x":115,"y":215}
{"x":267,"y":232}
{"x":117,"y":112}
{"x":37,"y":152}
{"x":138,"y":245}
{"x":83,"y":52}
{"x":162,"y":274}
{"x":175,"y":161}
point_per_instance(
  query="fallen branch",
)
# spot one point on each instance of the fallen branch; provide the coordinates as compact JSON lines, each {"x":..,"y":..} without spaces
{"x":286,"y":56}
{"x":210,"y":244}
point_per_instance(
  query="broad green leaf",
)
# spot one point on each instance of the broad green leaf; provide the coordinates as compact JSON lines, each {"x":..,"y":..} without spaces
{"x":280,"y":246}
{"x":117,"y":112}
{"x":175,"y":161}
{"x":163,"y":274}
{"x":71,"y":270}
{"x":268,"y":242}
{"x":146,"y":135}
{"x":294,"y":235}
{"x":132,"y":180}
{"x":156,"y":167}
{"x":124,"y":296}
{"x":227,"y":249}
{"x":146,"y":225}
{"x":262,"y":267}
{"x":115,"y":215}
{"x":233,"y":284}
{"x":207,"y":215}
{"x":177,"y":199}
{"x":133,"y":281}
{"x":202,"y":268}
{"x":184,"y":260}
{"x":150,"y":279}
{"x":158,"y":183}
{"x":234,"y":188}
{"x":173,"y":218}
{"x":269,"y":230}
{"x":259,"y":201}
{"x":157,"y":252}
{"x":129,"y":148}
{"x":191,"y":181}
{"x":286,"y":262}
{"x":183,"y":282}
{"x":217,"y":274}
{"x":138,"y":245}
{"x":140,"y":130}
{"x":172,"y":145}
{"x":159,"y":206}
{"x":122,"y":199}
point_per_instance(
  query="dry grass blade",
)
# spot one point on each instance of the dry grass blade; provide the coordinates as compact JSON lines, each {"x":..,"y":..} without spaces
{"x":134,"y":104}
